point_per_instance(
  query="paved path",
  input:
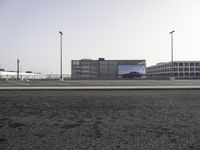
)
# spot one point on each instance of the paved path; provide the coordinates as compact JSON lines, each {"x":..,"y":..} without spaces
{"x":100,"y":88}
{"x":100,"y":84}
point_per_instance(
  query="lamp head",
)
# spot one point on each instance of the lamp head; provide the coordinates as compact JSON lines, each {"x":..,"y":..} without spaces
{"x":171,"y":32}
{"x":61,"y":32}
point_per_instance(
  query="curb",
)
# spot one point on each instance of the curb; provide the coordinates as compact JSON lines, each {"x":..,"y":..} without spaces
{"x":99,"y":88}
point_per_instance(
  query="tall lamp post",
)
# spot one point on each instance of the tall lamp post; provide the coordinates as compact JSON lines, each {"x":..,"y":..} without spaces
{"x":172,"y":66}
{"x":61,"y":78}
{"x":17,"y":69}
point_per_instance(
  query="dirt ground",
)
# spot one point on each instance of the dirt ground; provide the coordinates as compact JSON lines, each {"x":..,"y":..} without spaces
{"x":100,"y":120}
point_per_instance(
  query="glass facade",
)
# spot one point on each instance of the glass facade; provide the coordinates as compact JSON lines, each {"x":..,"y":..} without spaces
{"x":100,"y":69}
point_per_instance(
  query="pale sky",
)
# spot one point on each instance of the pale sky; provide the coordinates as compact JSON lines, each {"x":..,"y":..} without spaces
{"x":113,"y":29}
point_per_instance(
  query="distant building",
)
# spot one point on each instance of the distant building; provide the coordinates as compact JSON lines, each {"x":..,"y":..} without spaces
{"x":107,"y":69}
{"x":22,"y":75}
{"x":181,"y":70}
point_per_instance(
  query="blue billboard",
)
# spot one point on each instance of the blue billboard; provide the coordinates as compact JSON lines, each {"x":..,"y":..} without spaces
{"x":131,"y":71}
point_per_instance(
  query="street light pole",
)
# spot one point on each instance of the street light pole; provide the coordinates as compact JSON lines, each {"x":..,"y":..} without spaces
{"x":61,"y":78}
{"x":172,"y":63}
{"x":17,"y":69}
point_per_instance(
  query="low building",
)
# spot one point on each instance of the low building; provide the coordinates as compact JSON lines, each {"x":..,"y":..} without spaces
{"x":107,"y":69}
{"x":179,"y":70}
{"x":12,"y":75}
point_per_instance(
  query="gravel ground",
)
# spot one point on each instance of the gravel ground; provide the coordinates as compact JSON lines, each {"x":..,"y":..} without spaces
{"x":100,"y":120}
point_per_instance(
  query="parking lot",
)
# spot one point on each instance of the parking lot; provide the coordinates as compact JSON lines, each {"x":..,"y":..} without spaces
{"x":100,"y":119}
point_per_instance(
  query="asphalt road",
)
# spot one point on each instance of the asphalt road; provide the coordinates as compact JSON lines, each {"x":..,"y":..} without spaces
{"x":99,"y":84}
{"x":100,"y":120}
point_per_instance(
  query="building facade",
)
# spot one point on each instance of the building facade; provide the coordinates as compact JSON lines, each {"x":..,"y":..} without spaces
{"x":179,"y":70}
{"x":107,"y":69}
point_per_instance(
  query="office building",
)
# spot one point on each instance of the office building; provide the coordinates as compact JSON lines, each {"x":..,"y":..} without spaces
{"x":107,"y":69}
{"x":179,"y":70}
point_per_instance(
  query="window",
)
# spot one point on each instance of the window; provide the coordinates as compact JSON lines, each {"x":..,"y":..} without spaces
{"x":191,"y":64}
{"x":197,"y":69}
{"x":186,"y":69}
{"x":175,"y":64}
{"x":176,"y":74}
{"x":197,"y":74}
{"x":186,"y":64}
{"x":186,"y":74}
{"x":181,"y":74}
{"x":192,"y":74}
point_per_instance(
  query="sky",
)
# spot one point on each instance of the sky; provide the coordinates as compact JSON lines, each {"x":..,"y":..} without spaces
{"x":112,"y":29}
